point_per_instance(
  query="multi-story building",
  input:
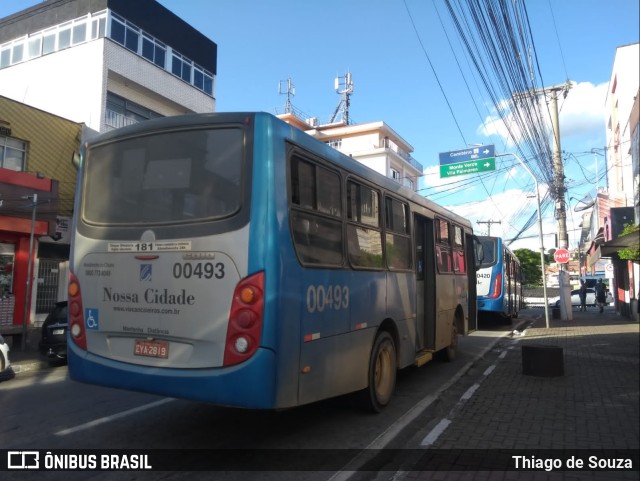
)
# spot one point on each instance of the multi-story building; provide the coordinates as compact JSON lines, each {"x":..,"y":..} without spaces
{"x":106,"y":62}
{"x":94,"y":65}
{"x":619,"y":203}
{"x":374,"y":144}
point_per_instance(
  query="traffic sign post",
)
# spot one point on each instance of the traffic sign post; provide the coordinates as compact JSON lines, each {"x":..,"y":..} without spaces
{"x":562,"y":256}
{"x":467,"y":161}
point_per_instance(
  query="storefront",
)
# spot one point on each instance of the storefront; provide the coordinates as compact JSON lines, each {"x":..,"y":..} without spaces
{"x":37,"y":186}
{"x":21,"y":225}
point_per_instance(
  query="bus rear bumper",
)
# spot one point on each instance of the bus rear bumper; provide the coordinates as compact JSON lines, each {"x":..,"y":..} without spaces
{"x":250,"y":384}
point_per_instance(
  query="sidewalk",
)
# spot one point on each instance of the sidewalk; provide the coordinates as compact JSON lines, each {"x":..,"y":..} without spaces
{"x":594,"y":405}
{"x":28,"y":359}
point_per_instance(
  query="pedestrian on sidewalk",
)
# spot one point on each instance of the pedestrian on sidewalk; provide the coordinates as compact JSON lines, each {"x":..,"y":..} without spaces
{"x":601,"y":294}
{"x":583,"y":296}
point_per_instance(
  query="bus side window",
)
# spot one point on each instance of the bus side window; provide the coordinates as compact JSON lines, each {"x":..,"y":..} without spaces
{"x":459,"y":261}
{"x":315,"y":216}
{"x":444,"y":259}
{"x":443,"y":246}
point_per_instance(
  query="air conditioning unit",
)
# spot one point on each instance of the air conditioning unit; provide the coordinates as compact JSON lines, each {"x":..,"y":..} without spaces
{"x":312,"y":121}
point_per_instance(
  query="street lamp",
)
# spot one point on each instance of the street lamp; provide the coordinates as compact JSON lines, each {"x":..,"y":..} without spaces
{"x":28,"y":295}
{"x":544,"y":281}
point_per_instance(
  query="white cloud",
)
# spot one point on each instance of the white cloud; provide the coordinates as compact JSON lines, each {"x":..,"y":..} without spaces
{"x":581,"y":113}
{"x":512,"y":208}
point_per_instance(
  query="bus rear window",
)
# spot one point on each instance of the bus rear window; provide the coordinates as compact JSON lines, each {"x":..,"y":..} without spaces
{"x":165,"y":178}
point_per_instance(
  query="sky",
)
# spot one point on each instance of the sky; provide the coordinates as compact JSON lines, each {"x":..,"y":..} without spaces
{"x":400,"y":56}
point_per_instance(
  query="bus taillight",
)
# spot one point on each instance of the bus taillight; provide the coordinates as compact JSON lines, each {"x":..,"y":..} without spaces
{"x":245,"y":320}
{"x":497,"y":287}
{"x":76,"y":318}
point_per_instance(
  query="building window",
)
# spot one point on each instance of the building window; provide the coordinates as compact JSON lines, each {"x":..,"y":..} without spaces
{"x":79,"y":32}
{"x":49,"y":41}
{"x":409,"y":183}
{"x":117,"y":31}
{"x":12,"y":153}
{"x":5,"y":57}
{"x":335,"y":143}
{"x":98,"y":27}
{"x":153,"y":50}
{"x":121,"y":112}
{"x":64,"y":36}
{"x":35,"y":47}
{"x":395,"y":175}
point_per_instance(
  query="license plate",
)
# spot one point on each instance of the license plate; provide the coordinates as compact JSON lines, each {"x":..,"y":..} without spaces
{"x":143,"y":347}
{"x":58,"y":332}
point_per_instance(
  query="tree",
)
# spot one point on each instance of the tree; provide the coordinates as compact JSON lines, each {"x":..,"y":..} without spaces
{"x":531,"y":266}
{"x":632,"y":252}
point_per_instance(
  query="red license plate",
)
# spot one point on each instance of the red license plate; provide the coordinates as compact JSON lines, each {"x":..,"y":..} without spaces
{"x":147,"y":348}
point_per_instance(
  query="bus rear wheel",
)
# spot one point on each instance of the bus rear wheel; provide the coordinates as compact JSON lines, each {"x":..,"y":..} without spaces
{"x":382,"y":373}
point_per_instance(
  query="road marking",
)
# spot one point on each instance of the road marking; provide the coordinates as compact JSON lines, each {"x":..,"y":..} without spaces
{"x":351,"y":468}
{"x":489,"y":370}
{"x":433,"y":435}
{"x":467,"y":395}
{"x":113,"y":417}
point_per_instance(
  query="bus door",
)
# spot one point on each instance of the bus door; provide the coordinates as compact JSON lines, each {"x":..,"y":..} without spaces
{"x":425,"y":283}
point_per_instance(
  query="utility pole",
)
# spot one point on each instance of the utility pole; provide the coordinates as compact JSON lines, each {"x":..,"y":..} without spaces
{"x":489,"y":222}
{"x":27,"y":301}
{"x":559,"y":188}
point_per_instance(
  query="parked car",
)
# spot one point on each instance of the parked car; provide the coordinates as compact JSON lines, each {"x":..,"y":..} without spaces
{"x":5,"y":365}
{"x":575,"y":298}
{"x":53,"y":341}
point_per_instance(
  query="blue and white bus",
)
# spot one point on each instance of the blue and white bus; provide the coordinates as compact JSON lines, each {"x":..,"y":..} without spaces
{"x":499,"y":281}
{"x":232,"y":258}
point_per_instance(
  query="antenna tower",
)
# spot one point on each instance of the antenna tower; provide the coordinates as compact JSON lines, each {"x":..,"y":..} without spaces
{"x":344,"y":87}
{"x":289,"y":92}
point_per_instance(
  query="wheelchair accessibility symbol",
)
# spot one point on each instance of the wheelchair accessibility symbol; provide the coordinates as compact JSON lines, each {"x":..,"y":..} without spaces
{"x":92,"y":318}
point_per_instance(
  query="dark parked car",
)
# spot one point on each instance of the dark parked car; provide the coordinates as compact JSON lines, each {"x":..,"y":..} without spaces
{"x":53,"y":343}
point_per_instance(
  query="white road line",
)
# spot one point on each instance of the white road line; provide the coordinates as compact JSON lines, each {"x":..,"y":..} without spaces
{"x":106,"y":419}
{"x":469,"y":392}
{"x":433,"y":435}
{"x":392,"y":431}
{"x":489,"y":370}
{"x":503,"y":354}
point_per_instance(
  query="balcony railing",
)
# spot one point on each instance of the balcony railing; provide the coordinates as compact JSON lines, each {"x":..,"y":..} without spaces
{"x":114,"y":120}
{"x":391,"y":145}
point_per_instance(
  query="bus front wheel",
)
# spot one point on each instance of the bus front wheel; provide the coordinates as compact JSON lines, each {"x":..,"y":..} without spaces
{"x":382,"y":373}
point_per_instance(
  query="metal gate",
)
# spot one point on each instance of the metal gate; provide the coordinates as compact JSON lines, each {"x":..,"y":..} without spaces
{"x":48,"y":279}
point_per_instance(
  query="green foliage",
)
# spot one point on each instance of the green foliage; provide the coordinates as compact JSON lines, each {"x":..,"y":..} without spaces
{"x":531,"y":266}
{"x":630,"y":253}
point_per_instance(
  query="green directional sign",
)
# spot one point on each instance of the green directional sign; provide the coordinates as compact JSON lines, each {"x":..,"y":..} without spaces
{"x":468,"y":167}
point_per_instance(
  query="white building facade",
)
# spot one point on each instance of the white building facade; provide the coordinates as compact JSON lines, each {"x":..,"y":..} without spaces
{"x":623,"y":88}
{"x":106,"y":63}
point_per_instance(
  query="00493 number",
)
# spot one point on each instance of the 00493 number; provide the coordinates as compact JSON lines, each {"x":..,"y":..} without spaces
{"x":320,"y":298}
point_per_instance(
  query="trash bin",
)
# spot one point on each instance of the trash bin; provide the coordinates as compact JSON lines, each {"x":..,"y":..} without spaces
{"x":542,"y":360}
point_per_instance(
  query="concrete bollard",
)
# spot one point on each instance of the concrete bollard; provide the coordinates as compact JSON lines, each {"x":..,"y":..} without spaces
{"x":541,"y":360}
